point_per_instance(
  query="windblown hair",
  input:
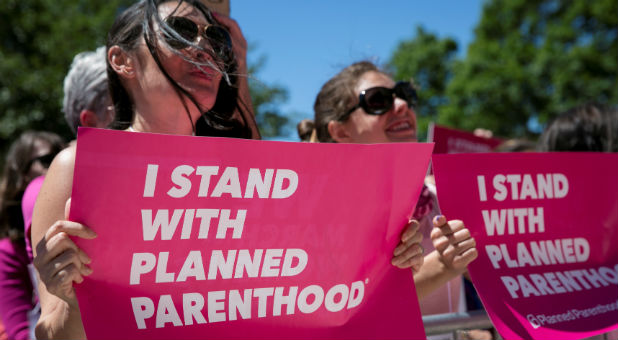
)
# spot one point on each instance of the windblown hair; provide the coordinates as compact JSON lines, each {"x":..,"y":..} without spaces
{"x":15,"y":179}
{"x":138,"y":21}
{"x":589,"y":127}
{"x":337,"y":96}
{"x":85,"y":87}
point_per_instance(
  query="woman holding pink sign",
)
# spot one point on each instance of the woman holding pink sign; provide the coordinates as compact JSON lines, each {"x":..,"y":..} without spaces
{"x":362,"y":104}
{"x":174,"y":67}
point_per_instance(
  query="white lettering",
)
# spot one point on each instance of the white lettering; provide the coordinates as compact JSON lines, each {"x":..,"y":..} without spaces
{"x":183,"y":183}
{"x":151,"y":180}
{"x":278,"y":190}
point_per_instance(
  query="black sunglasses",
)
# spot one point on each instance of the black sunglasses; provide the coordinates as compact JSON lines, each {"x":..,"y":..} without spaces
{"x":45,"y":160}
{"x":217,"y":36}
{"x":378,"y":100}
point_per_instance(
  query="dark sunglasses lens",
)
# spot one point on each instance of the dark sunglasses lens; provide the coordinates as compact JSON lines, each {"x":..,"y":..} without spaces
{"x":46,"y":160}
{"x":185,"y":28}
{"x":378,"y":100}
{"x":406,"y":92}
{"x":218,"y":36}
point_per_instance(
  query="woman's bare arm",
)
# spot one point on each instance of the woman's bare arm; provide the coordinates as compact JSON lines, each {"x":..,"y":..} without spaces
{"x":58,"y":261}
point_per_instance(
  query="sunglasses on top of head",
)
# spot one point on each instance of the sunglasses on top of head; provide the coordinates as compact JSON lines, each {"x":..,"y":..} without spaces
{"x":379,"y":100}
{"x":217,"y":36}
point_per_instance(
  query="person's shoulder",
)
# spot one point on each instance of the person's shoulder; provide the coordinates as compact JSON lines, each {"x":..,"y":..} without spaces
{"x":6,"y":246}
{"x":62,"y":166}
{"x":11,"y":253}
{"x":32,"y":191}
{"x":59,"y":178}
{"x":65,"y":157}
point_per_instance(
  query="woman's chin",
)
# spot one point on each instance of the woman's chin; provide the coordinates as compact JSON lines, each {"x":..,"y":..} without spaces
{"x":402,"y":136}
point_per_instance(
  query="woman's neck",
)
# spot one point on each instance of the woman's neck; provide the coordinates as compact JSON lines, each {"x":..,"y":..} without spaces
{"x":174,"y":122}
{"x":162,"y":112}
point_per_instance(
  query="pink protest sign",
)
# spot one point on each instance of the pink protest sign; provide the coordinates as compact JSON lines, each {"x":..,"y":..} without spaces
{"x":227,"y":238}
{"x":546,"y":226}
{"x":449,"y":140}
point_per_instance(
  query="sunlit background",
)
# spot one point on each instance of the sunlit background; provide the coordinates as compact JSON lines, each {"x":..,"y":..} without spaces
{"x":504,"y":65}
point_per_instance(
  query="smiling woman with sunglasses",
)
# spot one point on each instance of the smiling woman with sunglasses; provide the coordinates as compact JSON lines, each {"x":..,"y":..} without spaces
{"x":362,"y":104}
{"x":173,"y":67}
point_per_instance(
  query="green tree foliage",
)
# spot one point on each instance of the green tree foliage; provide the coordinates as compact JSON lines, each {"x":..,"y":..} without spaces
{"x":533,"y":59}
{"x":38,"y":41}
{"x":529,"y":61}
{"x":427,"y":60}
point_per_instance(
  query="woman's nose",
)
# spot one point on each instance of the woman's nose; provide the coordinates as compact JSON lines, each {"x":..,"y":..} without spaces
{"x":400,"y":106}
{"x":199,"y":54}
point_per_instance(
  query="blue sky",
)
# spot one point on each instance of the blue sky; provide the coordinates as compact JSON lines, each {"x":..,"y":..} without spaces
{"x":307,"y":42}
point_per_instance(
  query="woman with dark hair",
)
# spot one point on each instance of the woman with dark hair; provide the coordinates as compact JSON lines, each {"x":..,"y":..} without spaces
{"x":362,"y":104}
{"x":588,"y":127}
{"x":28,"y":157}
{"x":173,"y":67}
{"x":202,"y":64}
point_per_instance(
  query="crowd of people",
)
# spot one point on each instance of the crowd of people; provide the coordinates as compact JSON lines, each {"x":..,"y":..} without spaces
{"x":175,"y":67}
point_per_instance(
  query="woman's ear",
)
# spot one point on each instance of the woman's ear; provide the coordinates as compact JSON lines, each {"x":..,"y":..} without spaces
{"x":121,"y":62}
{"x":338,"y":132}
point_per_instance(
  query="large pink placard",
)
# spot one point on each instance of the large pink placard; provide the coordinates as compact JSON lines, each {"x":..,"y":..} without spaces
{"x":227,"y":238}
{"x":546,"y":226}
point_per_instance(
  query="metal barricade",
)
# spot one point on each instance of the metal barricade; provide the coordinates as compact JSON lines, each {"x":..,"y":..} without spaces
{"x":458,"y":323}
